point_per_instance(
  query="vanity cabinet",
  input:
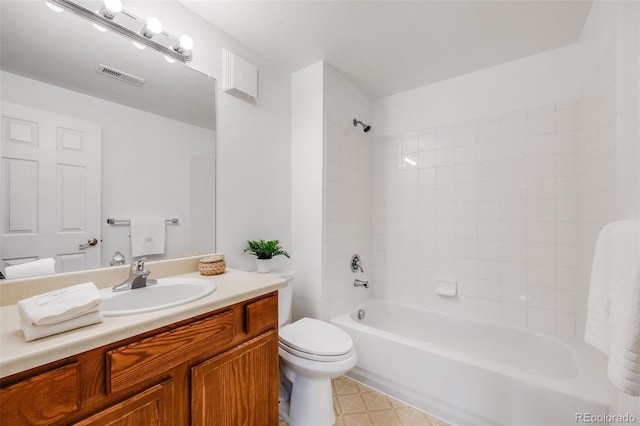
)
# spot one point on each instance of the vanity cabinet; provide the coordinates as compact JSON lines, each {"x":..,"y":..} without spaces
{"x":220,"y":368}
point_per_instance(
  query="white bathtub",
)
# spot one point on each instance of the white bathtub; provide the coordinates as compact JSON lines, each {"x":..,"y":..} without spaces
{"x":472,"y":372}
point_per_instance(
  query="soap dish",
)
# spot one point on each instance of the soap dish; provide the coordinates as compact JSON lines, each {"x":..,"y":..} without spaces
{"x":212,"y":265}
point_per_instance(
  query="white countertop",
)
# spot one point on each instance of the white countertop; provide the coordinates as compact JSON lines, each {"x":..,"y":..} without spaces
{"x":17,"y":355}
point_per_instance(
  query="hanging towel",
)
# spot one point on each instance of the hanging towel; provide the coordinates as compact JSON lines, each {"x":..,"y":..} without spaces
{"x":60,"y":305}
{"x":33,"y":332}
{"x":147,"y":236}
{"x":613,"y":310}
{"x":29,"y":269}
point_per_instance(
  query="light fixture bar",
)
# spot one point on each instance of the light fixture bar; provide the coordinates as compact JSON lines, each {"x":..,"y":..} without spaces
{"x":82,"y":11}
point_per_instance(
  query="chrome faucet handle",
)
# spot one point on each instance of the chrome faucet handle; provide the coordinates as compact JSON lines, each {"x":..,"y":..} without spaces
{"x":138,"y":265}
{"x":355,"y":264}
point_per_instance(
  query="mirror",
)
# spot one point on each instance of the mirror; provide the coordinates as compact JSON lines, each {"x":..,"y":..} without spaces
{"x":80,"y":147}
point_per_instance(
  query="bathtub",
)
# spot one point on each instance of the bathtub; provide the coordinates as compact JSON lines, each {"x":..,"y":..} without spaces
{"x":473,"y":372}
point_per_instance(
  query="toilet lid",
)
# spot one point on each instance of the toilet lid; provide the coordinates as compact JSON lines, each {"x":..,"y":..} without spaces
{"x":316,"y":337}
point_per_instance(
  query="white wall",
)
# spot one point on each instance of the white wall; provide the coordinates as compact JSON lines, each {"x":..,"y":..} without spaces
{"x":146,"y":166}
{"x":536,"y":80}
{"x":307,"y":176}
{"x":253,"y":182}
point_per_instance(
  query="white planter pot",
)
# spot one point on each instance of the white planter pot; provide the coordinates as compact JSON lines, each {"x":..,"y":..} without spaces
{"x":264,"y":265}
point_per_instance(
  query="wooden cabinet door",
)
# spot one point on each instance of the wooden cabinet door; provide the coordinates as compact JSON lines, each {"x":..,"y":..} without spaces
{"x":151,"y":407}
{"x":238,"y":387}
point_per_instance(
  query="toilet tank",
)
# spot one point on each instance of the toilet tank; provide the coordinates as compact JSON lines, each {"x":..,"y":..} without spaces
{"x":285,"y":297}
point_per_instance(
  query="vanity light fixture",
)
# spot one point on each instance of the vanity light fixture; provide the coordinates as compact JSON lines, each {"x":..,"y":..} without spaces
{"x":142,"y":32}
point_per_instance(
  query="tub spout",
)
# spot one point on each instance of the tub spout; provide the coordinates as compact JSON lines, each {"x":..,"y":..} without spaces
{"x":360,"y":283}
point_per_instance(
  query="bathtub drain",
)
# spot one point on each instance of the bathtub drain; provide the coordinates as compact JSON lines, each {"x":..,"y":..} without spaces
{"x":360,"y":314}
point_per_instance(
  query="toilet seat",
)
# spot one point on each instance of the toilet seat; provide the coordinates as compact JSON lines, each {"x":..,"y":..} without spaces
{"x":315,"y":340}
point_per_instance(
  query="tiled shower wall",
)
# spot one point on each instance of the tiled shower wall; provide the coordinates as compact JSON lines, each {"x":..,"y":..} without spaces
{"x":489,"y":203}
{"x":347,"y":214}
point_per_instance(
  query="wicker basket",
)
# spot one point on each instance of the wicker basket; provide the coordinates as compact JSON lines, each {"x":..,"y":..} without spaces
{"x":213,"y":265}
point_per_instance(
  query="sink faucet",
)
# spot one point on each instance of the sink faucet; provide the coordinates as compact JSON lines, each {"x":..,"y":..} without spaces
{"x":138,"y":277}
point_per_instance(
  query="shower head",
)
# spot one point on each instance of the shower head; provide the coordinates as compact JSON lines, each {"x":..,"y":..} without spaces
{"x":365,"y":127}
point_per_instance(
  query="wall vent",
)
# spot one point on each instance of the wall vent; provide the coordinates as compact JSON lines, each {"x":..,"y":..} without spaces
{"x":240,"y":77}
{"x":120,"y":75}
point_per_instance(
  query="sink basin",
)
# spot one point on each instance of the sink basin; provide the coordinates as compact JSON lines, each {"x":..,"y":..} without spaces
{"x":167,"y":293}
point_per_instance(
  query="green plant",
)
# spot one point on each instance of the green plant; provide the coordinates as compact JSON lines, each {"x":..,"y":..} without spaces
{"x":265,"y":249}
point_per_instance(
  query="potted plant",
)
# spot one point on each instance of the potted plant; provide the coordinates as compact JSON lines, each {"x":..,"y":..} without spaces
{"x":264,"y":252}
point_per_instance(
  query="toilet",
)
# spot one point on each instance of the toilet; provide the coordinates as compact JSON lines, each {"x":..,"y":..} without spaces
{"x":312,"y":352}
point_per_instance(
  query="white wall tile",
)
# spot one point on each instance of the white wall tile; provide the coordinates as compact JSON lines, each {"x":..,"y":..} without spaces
{"x":427,"y":140}
{"x":514,"y":315}
{"x":488,"y":129}
{"x":514,"y":251}
{"x":540,"y":145}
{"x":565,"y":324}
{"x":540,"y":275}
{"x":409,"y":144}
{"x":445,"y":137}
{"x":513,"y":125}
{"x":446,"y":174}
{"x":541,"y":320}
{"x":514,"y":148}
{"x":514,"y":273}
{"x":488,"y":289}
{"x":427,"y":159}
{"x":541,"y":120}
{"x":488,"y":310}
{"x":514,"y":294}
{"x":541,"y":297}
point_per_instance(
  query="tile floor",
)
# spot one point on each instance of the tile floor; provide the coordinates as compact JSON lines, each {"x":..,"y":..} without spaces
{"x":357,"y":404}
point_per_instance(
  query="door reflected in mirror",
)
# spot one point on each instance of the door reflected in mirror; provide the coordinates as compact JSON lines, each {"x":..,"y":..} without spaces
{"x":79,"y":148}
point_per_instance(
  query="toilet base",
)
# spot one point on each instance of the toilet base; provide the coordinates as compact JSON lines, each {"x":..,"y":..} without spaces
{"x":311,"y":403}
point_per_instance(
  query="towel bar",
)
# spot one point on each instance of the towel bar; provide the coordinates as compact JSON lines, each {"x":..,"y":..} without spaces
{"x":117,"y":222}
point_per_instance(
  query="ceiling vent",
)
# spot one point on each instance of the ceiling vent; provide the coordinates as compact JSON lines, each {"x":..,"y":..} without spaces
{"x":120,"y":75}
{"x":240,"y":77}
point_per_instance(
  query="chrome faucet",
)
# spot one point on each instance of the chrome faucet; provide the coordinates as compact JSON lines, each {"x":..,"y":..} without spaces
{"x":360,"y":283}
{"x":138,"y":277}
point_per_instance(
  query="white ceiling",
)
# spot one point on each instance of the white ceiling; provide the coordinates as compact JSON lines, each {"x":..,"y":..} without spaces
{"x":386,"y":47}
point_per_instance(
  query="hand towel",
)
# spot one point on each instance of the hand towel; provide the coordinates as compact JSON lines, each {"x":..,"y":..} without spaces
{"x":33,"y":332}
{"x":60,"y":305}
{"x":147,"y":236}
{"x":613,"y":310}
{"x":29,"y":269}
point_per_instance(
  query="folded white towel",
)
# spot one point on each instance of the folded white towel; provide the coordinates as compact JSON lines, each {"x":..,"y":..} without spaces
{"x":29,"y":269}
{"x":147,"y":236}
{"x":613,"y":310}
{"x":60,"y":305}
{"x":33,"y":332}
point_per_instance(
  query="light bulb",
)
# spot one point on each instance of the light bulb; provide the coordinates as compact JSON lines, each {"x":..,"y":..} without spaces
{"x":54,"y":7}
{"x":169,"y":59}
{"x":110,"y":8}
{"x":184,"y":45}
{"x":186,"y":42}
{"x":152,"y":27}
{"x":99,"y":28}
{"x":138,"y":45}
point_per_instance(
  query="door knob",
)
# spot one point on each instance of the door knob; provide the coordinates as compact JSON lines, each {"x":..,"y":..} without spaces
{"x":91,"y":242}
